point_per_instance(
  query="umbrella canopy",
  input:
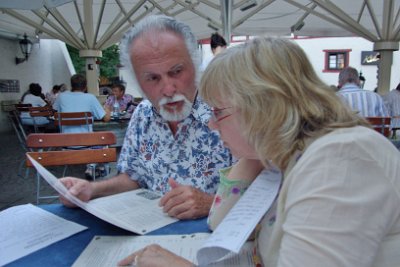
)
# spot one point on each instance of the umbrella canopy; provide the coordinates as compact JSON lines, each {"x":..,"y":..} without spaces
{"x":93,"y":25}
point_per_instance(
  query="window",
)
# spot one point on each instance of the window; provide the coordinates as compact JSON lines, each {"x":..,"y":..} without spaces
{"x":9,"y":86}
{"x":336,"y":60}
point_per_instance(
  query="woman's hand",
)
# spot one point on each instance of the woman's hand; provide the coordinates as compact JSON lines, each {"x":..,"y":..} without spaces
{"x":154,"y":256}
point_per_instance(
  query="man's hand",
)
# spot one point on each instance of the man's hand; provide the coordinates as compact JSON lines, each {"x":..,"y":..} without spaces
{"x":79,"y":188}
{"x":186,"y":202}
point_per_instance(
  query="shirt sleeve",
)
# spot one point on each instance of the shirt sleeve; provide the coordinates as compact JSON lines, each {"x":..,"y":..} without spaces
{"x":129,"y":150}
{"x":56,"y":105}
{"x":228,"y":193}
{"x":97,"y":109}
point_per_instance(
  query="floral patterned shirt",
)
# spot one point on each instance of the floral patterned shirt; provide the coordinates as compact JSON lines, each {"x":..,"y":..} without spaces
{"x":151,"y":154}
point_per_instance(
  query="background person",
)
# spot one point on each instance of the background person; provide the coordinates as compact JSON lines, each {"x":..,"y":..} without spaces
{"x":392,"y":102}
{"x":63,"y":88}
{"x":366,"y":103}
{"x":338,"y":202}
{"x":168,"y":146}
{"x":217,"y":44}
{"x":34,"y":97}
{"x":125,"y":101}
{"x":52,"y":95}
{"x":78,"y":100}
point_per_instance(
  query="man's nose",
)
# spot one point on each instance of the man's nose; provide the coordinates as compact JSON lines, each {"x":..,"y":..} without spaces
{"x":169,"y":87}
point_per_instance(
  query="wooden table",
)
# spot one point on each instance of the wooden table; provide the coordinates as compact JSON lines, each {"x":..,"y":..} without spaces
{"x":118,"y":127}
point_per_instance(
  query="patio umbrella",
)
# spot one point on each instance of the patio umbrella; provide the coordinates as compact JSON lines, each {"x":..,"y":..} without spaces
{"x":93,"y":25}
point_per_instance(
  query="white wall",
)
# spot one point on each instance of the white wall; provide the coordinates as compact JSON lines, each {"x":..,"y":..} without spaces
{"x":48,"y":64}
{"x":314,"y":49}
{"x":132,"y":86}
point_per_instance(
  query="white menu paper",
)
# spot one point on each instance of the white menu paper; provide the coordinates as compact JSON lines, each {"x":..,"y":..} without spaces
{"x":227,"y":246}
{"x":26,"y":228}
{"x":136,"y":211}
{"x":104,"y":251}
{"x":242,"y":219}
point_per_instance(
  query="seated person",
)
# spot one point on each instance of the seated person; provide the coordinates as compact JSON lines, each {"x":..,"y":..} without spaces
{"x":338,"y":203}
{"x":78,"y":100}
{"x":52,"y":95}
{"x":125,"y":101}
{"x":168,"y":147}
{"x":34,"y":97}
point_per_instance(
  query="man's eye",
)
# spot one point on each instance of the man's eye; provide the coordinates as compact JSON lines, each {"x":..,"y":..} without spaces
{"x":152,"y":78}
{"x":176,"y":71}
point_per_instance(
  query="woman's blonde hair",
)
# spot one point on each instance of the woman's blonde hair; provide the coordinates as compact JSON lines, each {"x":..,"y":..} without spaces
{"x":280,"y":99}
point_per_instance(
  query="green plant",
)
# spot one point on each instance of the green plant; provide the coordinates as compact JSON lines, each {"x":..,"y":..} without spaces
{"x":108,"y":63}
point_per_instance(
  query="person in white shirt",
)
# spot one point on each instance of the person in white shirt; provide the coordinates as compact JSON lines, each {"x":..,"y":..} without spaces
{"x":33,"y":97}
{"x":338,"y":203}
{"x":218,"y":44}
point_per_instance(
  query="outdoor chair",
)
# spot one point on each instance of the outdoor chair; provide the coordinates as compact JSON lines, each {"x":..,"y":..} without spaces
{"x":65,"y":119}
{"x":380,"y":124}
{"x":18,"y":109}
{"x":45,"y":111}
{"x":21,"y":133}
{"x":40,"y":143}
{"x":22,"y":107}
{"x":395,"y":128}
{"x":73,"y":119}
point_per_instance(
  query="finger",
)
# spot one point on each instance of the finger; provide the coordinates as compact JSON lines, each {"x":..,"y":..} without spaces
{"x":189,"y":214}
{"x":128,"y":260}
{"x":66,"y":182}
{"x":171,"y":194}
{"x":175,"y":201}
{"x":173,"y":184}
{"x":76,"y":189}
{"x":198,"y":205}
{"x":66,"y":202}
{"x":176,"y":210}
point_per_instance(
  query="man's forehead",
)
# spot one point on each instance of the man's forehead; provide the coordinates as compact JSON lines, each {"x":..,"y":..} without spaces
{"x":168,"y":68}
{"x":156,"y":39}
{"x":163,"y":51}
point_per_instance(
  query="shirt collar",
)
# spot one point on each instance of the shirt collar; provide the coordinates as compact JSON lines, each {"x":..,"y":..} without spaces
{"x":350,"y":87}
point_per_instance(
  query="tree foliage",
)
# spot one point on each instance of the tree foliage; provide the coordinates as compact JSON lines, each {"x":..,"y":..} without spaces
{"x":108,"y":63}
{"x":78,"y":62}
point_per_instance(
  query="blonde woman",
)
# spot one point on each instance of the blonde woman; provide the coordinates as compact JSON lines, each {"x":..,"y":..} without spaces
{"x":339,"y":200}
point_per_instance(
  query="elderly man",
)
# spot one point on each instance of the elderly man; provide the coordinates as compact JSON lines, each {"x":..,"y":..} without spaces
{"x":168,"y":146}
{"x":366,"y":103}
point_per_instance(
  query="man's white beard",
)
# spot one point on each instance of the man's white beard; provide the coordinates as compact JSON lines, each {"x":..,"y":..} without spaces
{"x":175,"y":115}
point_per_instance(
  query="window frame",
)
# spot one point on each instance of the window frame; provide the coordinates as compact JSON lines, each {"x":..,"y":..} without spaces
{"x":329,"y":52}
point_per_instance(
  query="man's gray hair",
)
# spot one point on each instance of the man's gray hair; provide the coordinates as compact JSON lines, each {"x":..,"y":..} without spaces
{"x":349,"y":75}
{"x":164,"y":24}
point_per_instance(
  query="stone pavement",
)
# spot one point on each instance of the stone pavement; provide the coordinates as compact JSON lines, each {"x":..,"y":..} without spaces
{"x":21,"y":189}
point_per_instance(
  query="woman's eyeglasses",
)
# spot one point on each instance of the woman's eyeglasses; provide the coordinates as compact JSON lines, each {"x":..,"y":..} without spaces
{"x":218,"y":114}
